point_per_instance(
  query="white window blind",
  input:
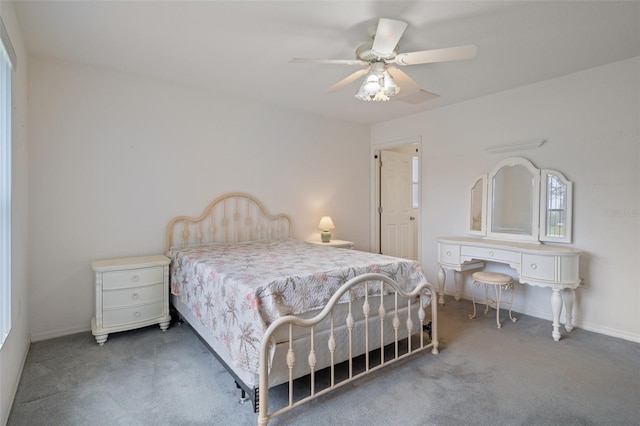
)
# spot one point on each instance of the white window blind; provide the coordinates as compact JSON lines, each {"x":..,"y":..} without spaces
{"x":7,"y":58}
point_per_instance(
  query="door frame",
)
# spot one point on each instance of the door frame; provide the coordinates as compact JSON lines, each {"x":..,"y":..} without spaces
{"x":375,"y":189}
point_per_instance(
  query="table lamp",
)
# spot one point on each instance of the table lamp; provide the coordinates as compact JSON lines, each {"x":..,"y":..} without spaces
{"x":326,"y":224}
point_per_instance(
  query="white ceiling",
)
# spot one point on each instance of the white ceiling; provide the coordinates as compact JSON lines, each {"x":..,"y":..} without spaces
{"x":243,"y":48}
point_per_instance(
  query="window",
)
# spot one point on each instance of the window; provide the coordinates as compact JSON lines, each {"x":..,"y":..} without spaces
{"x":556,"y":206}
{"x":7,"y":59}
{"x":416,"y":179}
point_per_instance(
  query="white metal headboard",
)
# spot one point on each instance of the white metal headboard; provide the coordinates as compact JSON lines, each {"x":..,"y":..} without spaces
{"x":231,"y":218}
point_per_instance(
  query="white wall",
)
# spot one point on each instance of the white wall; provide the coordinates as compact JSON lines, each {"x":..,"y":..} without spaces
{"x":14,"y":350}
{"x":590,"y":120}
{"x":113,"y":157}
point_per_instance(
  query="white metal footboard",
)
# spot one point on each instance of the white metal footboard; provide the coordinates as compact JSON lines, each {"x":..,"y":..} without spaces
{"x":385,"y":286}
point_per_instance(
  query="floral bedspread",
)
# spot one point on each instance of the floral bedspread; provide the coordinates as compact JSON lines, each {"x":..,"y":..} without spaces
{"x":238,"y":290}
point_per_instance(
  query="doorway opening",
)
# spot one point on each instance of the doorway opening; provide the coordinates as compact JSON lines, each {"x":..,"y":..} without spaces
{"x":396,"y":198}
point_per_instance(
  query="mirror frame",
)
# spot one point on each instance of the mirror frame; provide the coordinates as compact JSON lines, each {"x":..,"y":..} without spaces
{"x":482,"y":180}
{"x":568,"y":222}
{"x":538,"y":209}
{"x":535,"y":201}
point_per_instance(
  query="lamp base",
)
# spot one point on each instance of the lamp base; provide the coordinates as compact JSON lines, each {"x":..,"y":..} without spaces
{"x":326,"y":236}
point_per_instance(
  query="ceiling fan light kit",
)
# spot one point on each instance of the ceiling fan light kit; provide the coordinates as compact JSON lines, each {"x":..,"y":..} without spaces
{"x":381,"y":81}
{"x":378,"y":85}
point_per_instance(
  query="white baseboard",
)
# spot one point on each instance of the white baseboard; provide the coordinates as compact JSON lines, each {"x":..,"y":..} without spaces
{"x":14,"y":390}
{"x":607,"y":331}
{"x":37,"y":337}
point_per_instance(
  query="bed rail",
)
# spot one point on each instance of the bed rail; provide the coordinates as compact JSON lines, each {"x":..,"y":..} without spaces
{"x":385,"y":285}
{"x":231,"y":218}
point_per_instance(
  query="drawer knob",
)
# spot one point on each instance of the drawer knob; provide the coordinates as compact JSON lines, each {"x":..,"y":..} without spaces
{"x":490,"y":254}
{"x":135,"y":295}
{"x":448,"y":253}
{"x":137,"y":314}
{"x":534,"y":266}
{"x":135,"y":278}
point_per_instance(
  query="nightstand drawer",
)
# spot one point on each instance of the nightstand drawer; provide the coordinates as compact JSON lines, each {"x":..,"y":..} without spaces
{"x":132,"y":278}
{"x":117,"y":317}
{"x":132,"y":296}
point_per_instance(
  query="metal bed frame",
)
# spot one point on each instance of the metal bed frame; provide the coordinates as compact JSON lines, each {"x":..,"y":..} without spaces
{"x":238,"y":217}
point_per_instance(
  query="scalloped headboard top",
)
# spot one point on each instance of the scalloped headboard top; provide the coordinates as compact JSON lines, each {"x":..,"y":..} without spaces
{"x":231,"y":218}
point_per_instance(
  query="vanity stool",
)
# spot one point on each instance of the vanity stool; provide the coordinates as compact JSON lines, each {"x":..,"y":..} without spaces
{"x":499,"y":282}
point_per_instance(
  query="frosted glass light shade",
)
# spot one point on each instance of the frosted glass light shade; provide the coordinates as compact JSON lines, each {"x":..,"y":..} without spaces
{"x":390,"y":86}
{"x":377,"y":86}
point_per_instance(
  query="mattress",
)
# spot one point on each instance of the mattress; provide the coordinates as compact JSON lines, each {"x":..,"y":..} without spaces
{"x":279,"y":371}
{"x":235,"y":291}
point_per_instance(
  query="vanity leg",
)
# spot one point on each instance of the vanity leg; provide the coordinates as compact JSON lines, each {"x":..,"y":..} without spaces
{"x":569,"y":297}
{"x":556,"y":308}
{"x":442,"y":277}
{"x":457,"y":280}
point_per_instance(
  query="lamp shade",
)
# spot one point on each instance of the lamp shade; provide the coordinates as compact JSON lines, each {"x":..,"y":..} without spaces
{"x":326,"y":223}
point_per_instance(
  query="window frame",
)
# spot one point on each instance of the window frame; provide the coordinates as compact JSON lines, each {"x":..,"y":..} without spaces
{"x":415,"y":181}
{"x":545,"y":235}
{"x":7,"y":67}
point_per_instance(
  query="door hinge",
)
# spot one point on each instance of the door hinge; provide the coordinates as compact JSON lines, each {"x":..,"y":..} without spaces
{"x":379,"y":209}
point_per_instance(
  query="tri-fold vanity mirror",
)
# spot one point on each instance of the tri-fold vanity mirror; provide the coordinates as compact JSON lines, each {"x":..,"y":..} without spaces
{"x":517,"y":201}
{"x":513,"y":204}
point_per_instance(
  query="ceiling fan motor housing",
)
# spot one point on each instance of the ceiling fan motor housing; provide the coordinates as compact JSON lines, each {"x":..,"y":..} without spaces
{"x":366,"y":53}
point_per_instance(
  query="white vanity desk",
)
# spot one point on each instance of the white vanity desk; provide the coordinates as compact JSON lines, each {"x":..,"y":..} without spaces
{"x":536,"y":264}
{"x":513,"y":210}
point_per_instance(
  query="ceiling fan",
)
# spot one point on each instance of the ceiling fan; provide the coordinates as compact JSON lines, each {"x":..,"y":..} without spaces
{"x":381,"y":58}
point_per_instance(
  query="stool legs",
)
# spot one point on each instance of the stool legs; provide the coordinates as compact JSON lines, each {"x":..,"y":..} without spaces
{"x":486,"y":298}
{"x":498,"y":290}
{"x":498,"y":293}
{"x":473,"y":300}
{"x":513,"y":290}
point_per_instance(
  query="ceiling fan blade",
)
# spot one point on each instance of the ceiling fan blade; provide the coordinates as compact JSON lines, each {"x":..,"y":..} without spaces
{"x":328,"y":61}
{"x":407,"y":84}
{"x":417,"y":97}
{"x":387,"y":35}
{"x":351,"y":78}
{"x":437,"y":55}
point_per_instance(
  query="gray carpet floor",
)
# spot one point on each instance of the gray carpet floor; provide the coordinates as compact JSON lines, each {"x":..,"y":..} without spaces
{"x":516,"y":375}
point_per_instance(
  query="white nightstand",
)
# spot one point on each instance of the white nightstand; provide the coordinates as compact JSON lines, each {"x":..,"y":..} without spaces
{"x":130,"y":293}
{"x":334,"y":243}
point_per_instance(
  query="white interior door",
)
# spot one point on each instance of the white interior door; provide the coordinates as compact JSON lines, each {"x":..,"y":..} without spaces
{"x":396,"y":200}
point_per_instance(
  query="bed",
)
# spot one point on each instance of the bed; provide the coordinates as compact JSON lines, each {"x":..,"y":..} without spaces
{"x":273,"y":309}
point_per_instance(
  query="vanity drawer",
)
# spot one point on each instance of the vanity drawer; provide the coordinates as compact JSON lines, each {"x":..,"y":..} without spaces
{"x":486,"y":253}
{"x":449,"y":253}
{"x":132,"y":278}
{"x":132,"y":296}
{"x":540,"y":267}
{"x":125,"y":316}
